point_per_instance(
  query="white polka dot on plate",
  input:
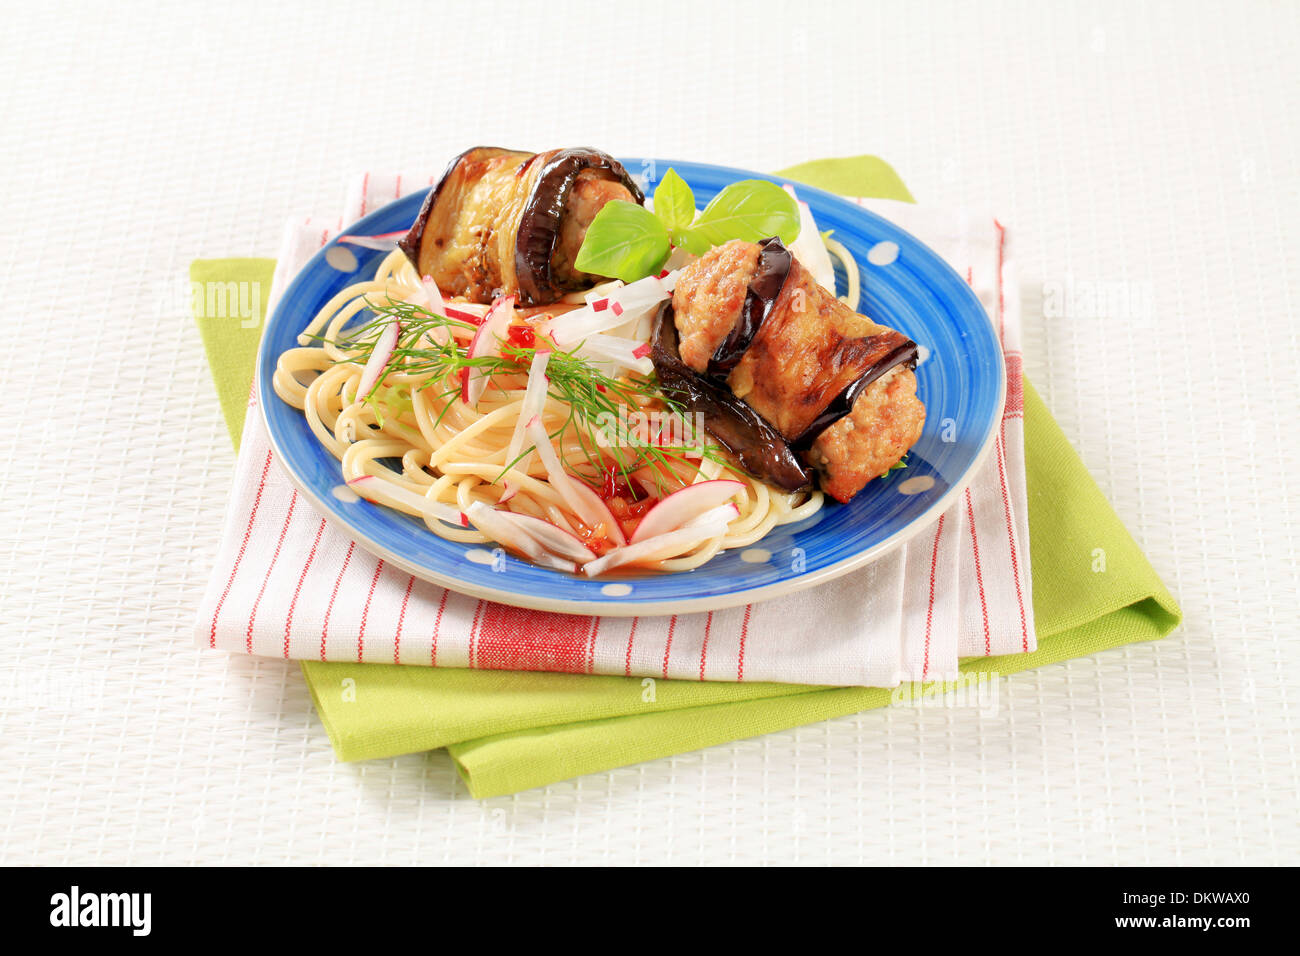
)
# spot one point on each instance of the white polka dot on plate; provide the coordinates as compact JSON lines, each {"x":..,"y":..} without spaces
{"x":617,"y":590}
{"x":882,"y":253}
{"x":341,"y":258}
{"x":914,"y":486}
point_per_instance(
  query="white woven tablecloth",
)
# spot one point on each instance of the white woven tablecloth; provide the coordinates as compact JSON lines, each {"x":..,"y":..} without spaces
{"x":1147,"y":158}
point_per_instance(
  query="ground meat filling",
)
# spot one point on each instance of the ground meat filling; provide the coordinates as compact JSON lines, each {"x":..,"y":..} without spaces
{"x":886,"y":420}
{"x":708,"y":299}
{"x":590,"y":192}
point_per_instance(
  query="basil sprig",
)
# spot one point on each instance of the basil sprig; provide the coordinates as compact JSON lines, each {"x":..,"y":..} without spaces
{"x":626,"y":241}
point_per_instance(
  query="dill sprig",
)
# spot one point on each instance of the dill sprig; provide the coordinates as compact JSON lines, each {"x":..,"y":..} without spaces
{"x":597,"y":402}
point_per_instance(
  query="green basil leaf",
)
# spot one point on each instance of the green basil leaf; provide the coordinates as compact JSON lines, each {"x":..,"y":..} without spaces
{"x":674,"y":202}
{"x":692,"y":240}
{"x":625,"y":241}
{"x":751,"y":209}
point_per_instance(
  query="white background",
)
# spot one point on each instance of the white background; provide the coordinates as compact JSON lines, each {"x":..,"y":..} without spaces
{"x":1150,"y":148}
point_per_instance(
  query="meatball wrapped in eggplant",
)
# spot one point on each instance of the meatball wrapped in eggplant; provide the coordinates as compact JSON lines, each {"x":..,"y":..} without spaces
{"x":836,"y":388}
{"x":504,"y":221}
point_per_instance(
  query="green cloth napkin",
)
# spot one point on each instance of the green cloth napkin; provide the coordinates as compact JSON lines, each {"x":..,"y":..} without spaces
{"x":510,"y":731}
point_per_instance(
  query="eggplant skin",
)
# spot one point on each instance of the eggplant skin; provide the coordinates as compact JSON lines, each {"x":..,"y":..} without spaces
{"x":755,"y":444}
{"x":539,"y":227}
{"x":811,"y":356}
{"x":492,"y":224}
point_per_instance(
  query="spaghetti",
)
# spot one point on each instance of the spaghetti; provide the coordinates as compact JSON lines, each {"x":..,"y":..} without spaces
{"x":410,"y":440}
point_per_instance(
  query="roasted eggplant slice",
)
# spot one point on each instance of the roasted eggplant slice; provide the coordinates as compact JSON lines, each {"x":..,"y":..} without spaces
{"x":837,"y":388}
{"x":755,"y":444}
{"x":504,"y":221}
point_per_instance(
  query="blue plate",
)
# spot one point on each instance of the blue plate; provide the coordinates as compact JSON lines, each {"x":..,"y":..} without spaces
{"x":962,"y":383}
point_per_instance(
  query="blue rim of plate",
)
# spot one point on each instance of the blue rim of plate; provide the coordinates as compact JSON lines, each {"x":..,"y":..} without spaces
{"x":962,"y":382}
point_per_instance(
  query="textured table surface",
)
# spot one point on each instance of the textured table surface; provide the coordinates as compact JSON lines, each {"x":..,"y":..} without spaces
{"x":1146,"y":156}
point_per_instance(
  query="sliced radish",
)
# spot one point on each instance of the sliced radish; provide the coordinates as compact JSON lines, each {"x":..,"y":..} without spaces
{"x":533,"y":403}
{"x":643,"y":293}
{"x":374,"y":488}
{"x":620,"y":306}
{"x":486,"y":342}
{"x":436,"y":304}
{"x":584,"y":502}
{"x":496,"y":525}
{"x":379,"y":357}
{"x":439,"y":334}
{"x":723,"y":513}
{"x":657,"y":548}
{"x":561,"y":543}
{"x":466,"y":311}
{"x":624,"y":353}
{"x":384,"y":242}
{"x":613,"y":530}
{"x":808,"y":247}
{"x":682,"y":507}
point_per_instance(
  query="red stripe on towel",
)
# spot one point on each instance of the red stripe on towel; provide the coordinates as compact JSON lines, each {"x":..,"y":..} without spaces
{"x":288,"y":618}
{"x":243,"y":548}
{"x":929,"y":614}
{"x":744,"y":633}
{"x":275,"y":556}
{"x":668,"y":648}
{"x":401,"y":617}
{"x":365,"y":612}
{"x":521,"y":639}
{"x":704,"y":650}
{"x":979,"y":573}
{"x":325,"y":625}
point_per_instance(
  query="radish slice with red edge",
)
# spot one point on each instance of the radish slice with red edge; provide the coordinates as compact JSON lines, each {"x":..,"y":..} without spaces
{"x":486,"y":342}
{"x":376,"y":489}
{"x":588,"y":507}
{"x":379,"y":356}
{"x":384,"y":242}
{"x":561,"y":543}
{"x":658,"y":548}
{"x":533,"y":403}
{"x":464,"y":315}
{"x":498,"y":526}
{"x":681,"y":507}
{"x":439,"y":334}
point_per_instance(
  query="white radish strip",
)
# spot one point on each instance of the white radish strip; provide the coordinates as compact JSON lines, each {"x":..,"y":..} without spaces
{"x":559,"y":542}
{"x":627,"y":353}
{"x":533,"y":403}
{"x":436,"y":304}
{"x":642,"y":293}
{"x":723,"y":513}
{"x":613,"y":530}
{"x":808,"y":247}
{"x":657,"y":548}
{"x":384,"y":492}
{"x":497,"y":526}
{"x":472,"y":314}
{"x":379,"y":357}
{"x":486,"y":342}
{"x":593,"y":512}
{"x":565,"y":329}
{"x":573,"y":327}
{"x":439,"y":335}
{"x":682,"y":507}
{"x":678,"y":259}
{"x":385,"y":242}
